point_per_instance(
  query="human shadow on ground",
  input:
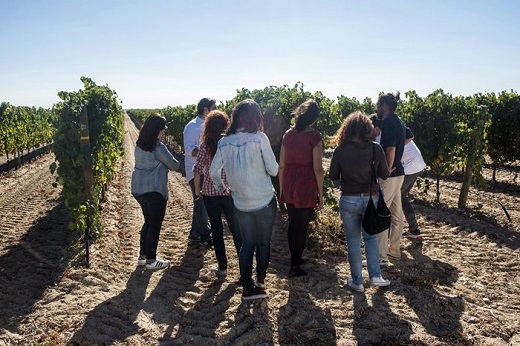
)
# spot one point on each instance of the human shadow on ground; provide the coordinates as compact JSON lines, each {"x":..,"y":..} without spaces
{"x":300,"y":320}
{"x":115,"y":319}
{"x":419,"y":281}
{"x":500,"y":235}
{"x":378,"y":324}
{"x":174,"y":296}
{"x":32,"y":265}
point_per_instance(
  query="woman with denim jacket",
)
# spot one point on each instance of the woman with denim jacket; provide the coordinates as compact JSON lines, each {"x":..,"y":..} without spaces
{"x":153,"y":161}
{"x":246,"y":155}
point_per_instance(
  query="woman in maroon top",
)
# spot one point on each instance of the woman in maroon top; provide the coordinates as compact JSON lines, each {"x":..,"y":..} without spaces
{"x":301,"y":178}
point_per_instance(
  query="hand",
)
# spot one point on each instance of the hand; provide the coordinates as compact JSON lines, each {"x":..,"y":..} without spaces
{"x":320,"y":203}
{"x":198,"y":194}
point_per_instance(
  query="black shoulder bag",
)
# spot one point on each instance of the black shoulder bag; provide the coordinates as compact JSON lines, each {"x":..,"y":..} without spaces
{"x":376,"y":218}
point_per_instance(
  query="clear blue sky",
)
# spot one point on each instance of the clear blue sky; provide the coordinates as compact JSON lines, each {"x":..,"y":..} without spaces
{"x":156,"y":53}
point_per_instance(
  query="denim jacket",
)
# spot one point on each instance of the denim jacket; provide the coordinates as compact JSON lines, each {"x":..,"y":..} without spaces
{"x":151,"y":170}
{"x":249,"y":163}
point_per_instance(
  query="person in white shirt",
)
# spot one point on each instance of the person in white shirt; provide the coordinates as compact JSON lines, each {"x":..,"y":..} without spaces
{"x":414,"y":166}
{"x":249,"y":162}
{"x":200,"y":229}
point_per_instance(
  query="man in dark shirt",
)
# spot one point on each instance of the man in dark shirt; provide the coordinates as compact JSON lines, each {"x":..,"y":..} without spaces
{"x":392,"y":141}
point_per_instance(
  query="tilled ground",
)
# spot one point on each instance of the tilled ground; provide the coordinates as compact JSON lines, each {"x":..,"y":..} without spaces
{"x":459,"y":286}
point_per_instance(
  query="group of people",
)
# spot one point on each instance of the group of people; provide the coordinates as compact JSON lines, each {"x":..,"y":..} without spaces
{"x":229,"y":166}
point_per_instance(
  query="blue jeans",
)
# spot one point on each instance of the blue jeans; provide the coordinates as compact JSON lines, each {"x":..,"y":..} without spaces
{"x":215,"y":206}
{"x":256,"y":228}
{"x":351,"y":209}
{"x":153,"y":205}
{"x":199,"y":220}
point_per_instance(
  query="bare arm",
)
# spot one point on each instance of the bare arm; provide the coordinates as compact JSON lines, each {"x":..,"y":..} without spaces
{"x":317,"y":166}
{"x":281,"y":166}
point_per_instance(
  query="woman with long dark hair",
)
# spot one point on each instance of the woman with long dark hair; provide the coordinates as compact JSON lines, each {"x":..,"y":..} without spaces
{"x":153,"y":160}
{"x":215,"y":201}
{"x":301,"y":178}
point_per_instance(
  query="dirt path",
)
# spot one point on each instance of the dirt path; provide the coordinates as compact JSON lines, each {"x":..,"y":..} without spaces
{"x":461,"y":286}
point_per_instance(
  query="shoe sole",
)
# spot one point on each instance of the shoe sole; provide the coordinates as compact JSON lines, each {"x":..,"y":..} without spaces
{"x":157,"y":268}
{"x":355,"y":289}
{"x":380,"y":284}
{"x":412,"y":236}
{"x":256,"y":296}
{"x":140,"y":264}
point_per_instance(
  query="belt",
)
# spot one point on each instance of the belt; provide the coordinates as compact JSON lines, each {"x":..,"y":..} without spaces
{"x":373,"y":194}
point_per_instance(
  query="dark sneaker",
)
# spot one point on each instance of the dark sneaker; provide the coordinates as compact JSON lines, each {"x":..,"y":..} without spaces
{"x":220,"y":273}
{"x":260,"y":283}
{"x":255,"y":293}
{"x":207,"y":242}
{"x":193,"y":238}
{"x":416,"y":234}
{"x":296,"y":271}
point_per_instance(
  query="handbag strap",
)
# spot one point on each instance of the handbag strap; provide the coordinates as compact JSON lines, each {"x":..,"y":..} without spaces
{"x":372,"y":171}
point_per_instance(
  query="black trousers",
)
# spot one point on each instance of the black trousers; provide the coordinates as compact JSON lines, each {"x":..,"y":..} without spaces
{"x":299,"y":219}
{"x":215,"y":206}
{"x":153,"y":205}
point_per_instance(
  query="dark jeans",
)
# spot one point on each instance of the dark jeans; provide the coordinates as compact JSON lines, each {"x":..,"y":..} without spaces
{"x":408,"y":211}
{"x":215,"y":206}
{"x":199,"y":220}
{"x":299,"y":219}
{"x":153,"y":205}
{"x":256,"y":228}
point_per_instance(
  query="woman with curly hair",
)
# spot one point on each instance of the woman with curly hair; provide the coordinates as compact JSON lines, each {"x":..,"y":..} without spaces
{"x":351,"y":165}
{"x":216,"y":202}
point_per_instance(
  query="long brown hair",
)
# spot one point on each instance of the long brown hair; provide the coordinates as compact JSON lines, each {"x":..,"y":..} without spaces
{"x":246,"y":115}
{"x":215,"y":125}
{"x":305,"y":114}
{"x":356,"y":127}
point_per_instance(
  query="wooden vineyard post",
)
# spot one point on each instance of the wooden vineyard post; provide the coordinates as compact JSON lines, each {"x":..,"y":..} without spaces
{"x":89,"y":179}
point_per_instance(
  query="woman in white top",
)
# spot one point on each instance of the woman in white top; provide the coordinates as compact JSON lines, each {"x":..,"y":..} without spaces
{"x":246,"y":155}
{"x":414,"y":166}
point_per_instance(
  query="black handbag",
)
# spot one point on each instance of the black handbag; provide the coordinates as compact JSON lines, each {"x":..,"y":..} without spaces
{"x":376,"y":218}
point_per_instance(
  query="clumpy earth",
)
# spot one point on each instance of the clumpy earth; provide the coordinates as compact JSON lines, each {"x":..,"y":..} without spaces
{"x":459,"y":286}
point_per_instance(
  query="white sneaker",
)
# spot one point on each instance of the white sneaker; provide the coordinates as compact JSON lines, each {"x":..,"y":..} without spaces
{"x":379,"y":281}
{"x":141,"y":260}
{"x":350,"y":284}
{"x":157,"y":264}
